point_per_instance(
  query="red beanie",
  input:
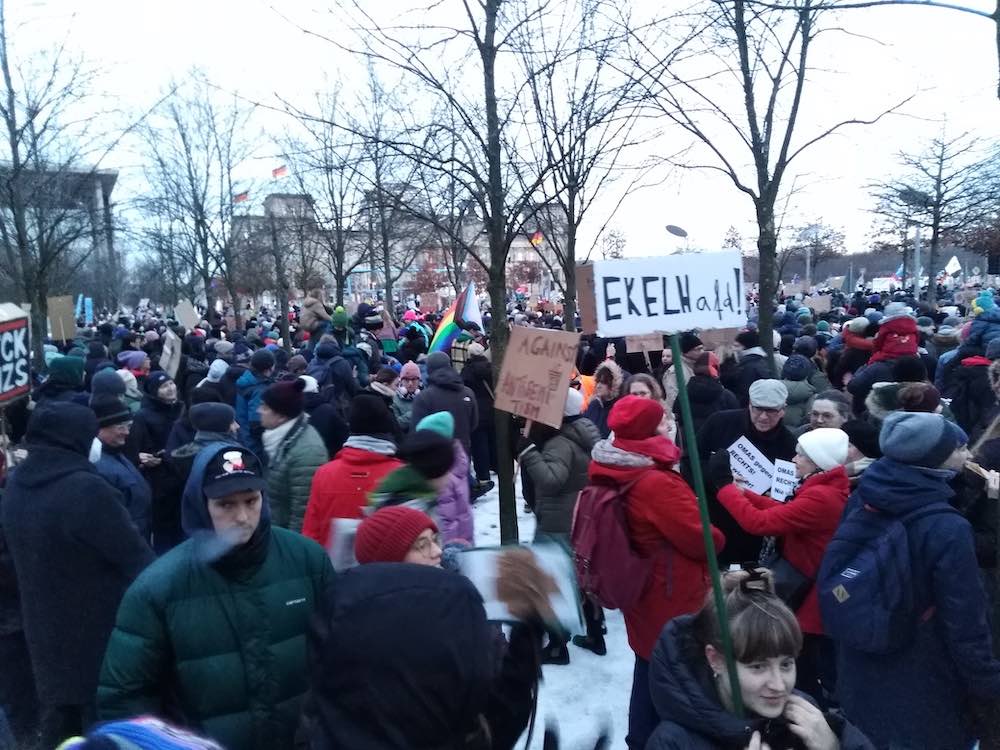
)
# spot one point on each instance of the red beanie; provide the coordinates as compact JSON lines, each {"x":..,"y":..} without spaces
{"x":634,"y":418}
{"x":388,"y":534}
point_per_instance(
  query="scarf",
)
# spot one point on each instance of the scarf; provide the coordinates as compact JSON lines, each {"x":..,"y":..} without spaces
{"x":371,"y":444}
{"x":606,"y":453}
{"x":382,"y":389}
{"x":273,"y":438}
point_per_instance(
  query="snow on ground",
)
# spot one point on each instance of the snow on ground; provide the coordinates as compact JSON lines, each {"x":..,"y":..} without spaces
{"x":591,"y":692}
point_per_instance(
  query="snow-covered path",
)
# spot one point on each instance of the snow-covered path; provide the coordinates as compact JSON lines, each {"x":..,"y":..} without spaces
{"x":592,"y":691}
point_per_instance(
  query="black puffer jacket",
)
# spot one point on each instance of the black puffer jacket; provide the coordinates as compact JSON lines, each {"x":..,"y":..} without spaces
{"x":326,"y":418}
{"x":682,"y":688}
{"x":478,"y":376}
{"x":445,"y":391}
{"x":707,"y":396}
{"x":427,"y":691}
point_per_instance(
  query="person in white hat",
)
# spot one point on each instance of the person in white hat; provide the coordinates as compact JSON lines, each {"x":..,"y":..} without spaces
{"x":801,"y":527}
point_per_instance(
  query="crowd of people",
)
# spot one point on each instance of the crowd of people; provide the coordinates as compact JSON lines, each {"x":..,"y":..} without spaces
{"x":167,"y":525}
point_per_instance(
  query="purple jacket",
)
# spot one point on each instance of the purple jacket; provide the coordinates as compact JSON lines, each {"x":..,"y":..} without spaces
{"x":453,"y":511}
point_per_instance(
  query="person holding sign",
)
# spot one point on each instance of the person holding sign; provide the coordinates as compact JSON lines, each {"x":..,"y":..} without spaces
{"x":802,"y":527}
{"x":690,"y":683}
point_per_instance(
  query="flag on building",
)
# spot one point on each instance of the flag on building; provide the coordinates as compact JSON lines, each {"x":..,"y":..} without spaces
{"x":536,"y":239}
{"x":240,"y":197}
{"x":463,"y":310}
{"x":281,"y":171}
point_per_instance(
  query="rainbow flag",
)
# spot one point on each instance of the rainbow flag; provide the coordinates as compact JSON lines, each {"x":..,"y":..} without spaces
{"x":463,"y":310}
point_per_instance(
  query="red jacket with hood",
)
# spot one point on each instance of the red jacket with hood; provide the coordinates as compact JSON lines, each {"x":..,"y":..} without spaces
{"x":896,"y":338}
{"x":663,"y":523}
{"x":805,"y":524}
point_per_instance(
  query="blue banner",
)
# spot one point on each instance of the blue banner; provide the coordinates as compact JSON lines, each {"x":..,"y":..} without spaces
{"x":88,"y":310}
{"x":79,"y":305}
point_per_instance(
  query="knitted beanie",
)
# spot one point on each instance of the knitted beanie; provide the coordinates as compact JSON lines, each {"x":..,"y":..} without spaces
{"x":748,"y":339}
{"x":66,"y":371}
{"x":574,"y":403}
{"x":107,"y":383}
{"x":410,"y":370}
{"x":824,"y":446}
{"x":110,"y":410}
{"x":371,"y":416}
{"x":797,"y":367}
{"x":217,"y":370}
{"x":132,"y":359}
{"x":388,"y":534}
{"x":261,"y":360}
{"x":339,"y":318}
{"x":437,"y":361}
{"x":285,"y":397}
{"x":428,"y":452}
{"x":154,"y":381}
{"x":441,"y":422}
{"x":689,"y":341}
{"x":920,"y":439}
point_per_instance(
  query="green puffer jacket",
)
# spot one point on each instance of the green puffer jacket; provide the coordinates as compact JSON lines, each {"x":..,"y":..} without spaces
{"x":224,"y":656}
{"x":290,"y":472}
{"x":558,"y":472}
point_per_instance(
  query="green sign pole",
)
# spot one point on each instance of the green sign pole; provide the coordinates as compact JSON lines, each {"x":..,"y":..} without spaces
{"x":691,"y":447}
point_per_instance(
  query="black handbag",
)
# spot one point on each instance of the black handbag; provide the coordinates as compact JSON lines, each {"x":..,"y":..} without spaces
{"x":791,"y":585}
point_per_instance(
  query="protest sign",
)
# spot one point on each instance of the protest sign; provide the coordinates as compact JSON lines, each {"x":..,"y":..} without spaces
{"x":585,"y":304}
{"x":651,"y":342}
{"x":785,"y":480}
{"x":667,"y":295}
{"x":144,"y":303}
{"x":170,"y":359}
{"x":820,"y":303}
{"x":750,"y":465}
{"x":62,"y":320}
{"x":534,"y":377}
{"x":790,"y":290}
{"x":186,"y":314}
{"x":79,"y":306}
{"x":340,"y":546}
{"x":480,"y":567}
{"x":15,"y":353}
{"x":717,"y":337}
{"x":88,"y":310}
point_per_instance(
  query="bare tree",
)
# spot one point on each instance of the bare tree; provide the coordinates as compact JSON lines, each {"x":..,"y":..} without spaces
{"x":947,"y":188}
{"x":52,"y":193}
{"x":441,"y":58}
{"x":325,"y":161}
{"x":613,"y":244}
{"x":193,"y":144}
{"x":751,"y":60}
{"x":583,"y":110}
{"x":815,"y":242}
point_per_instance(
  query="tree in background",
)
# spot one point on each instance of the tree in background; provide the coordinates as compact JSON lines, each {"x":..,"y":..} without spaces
{"x":947,"y":188}
{"x":815,"y":242}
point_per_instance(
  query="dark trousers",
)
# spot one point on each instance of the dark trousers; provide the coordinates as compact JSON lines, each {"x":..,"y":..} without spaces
{"x":17,"y":688}
{"x":642,"y":716}
{"x":59,"y":723}
{"x":816,"y":669}
{"x":484,"y":451}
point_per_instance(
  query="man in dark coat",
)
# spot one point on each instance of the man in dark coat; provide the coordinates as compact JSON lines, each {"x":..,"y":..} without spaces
{"x":75,"y":552}
{"x":761,"y":423}
{"x":114,"y":421}
{"x":754,"y":365}
{"x":445,"y":391}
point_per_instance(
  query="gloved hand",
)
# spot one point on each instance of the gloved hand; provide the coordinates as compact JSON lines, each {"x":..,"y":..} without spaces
{"x":719,"y":473}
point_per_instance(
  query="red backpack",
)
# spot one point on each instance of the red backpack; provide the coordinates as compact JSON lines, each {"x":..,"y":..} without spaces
{"x":607,"y":567}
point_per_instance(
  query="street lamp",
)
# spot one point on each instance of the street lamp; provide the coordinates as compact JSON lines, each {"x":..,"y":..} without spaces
{"x":677,"y":231}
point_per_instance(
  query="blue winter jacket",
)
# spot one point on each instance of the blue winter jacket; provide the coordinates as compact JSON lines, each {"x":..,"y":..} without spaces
{"x":249,"y":396}
{"x":137,"y":497}
{"x":985,"y":328}
{"x":920,"y":695}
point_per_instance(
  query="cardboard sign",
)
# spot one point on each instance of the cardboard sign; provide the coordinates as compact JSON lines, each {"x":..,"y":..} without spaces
{"x":820,"y":303}
{"x":186,"y":314}
{"x":790,"y":290}
{"x":62,"y":318}
{"x":750,"y":465}
{"x":668,"y":295}
{"x":651,"y":342}
{"x":718,"y":337}
{"x":534,"y":377}
{"x":585,"y":304}
{"x":15,"y":353}
{"x":785,"y":480}
{"x":170,"y":359}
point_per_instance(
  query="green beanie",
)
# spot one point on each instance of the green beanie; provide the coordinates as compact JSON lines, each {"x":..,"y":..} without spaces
{"x":339,"y":318}
{"x":440,"y":422}
{"x":66,"y":371}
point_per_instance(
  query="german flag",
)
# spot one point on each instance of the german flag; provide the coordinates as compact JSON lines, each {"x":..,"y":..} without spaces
{"x":240,"y":197}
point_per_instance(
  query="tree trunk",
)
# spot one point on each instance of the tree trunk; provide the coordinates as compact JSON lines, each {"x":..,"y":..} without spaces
{"x":282,"y":280}
{"x":569,"y":299}
{"x":932,"y":260}
{"x":767,"y":247}
{"x":502,"y":421}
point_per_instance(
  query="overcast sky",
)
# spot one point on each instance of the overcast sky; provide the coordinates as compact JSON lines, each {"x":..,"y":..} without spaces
{"x":947,"y":59}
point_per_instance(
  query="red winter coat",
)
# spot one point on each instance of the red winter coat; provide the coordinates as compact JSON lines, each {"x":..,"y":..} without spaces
{"x":662,"y":515}
{"x":805,"y":524}
{"x":340,"y":488}
{"x":897,"y":338}
{"x":854,"y":340}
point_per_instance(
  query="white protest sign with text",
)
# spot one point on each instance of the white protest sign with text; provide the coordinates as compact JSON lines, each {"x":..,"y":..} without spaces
{"x":15,"y":353}
{"x":750,"y":465}
{"x":671,"y":294}
{"x":785,"y":480}
{"x":186,"y":314}
{"x":535,"y":373}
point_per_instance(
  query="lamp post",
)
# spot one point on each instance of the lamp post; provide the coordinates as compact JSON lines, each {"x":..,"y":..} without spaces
{"x":677,"y":231}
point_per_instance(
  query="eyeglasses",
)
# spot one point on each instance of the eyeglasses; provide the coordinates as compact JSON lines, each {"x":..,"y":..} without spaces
{"x":423,"y":545}
{"x":767,"y":409}
{"x":409,"y":380}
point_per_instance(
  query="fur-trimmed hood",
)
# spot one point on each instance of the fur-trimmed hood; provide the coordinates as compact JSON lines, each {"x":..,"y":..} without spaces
{"x":617,"y":376}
